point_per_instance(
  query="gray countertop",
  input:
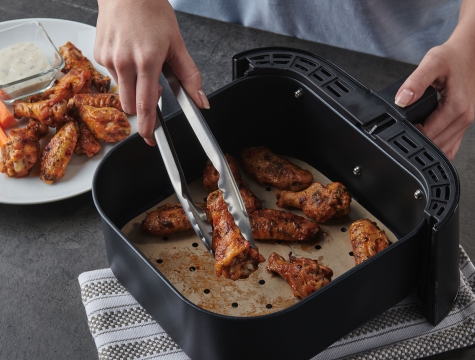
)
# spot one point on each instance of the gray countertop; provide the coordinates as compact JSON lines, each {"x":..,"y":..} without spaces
{"x":43,"y":248}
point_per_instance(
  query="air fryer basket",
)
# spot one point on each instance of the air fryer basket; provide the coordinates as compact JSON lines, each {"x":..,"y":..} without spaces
{"x":302,"y":106}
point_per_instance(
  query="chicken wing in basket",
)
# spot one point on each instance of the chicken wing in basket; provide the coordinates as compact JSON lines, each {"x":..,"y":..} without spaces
{"x":270,"y":224}
{"x":168,"y":219}
{"x":305,"y":276}
{"x":268,"y":168}
{"x":234,"y":256}
{"x":210,"y":183}
{"x":318,"y":202}
{"x":367,"y":239}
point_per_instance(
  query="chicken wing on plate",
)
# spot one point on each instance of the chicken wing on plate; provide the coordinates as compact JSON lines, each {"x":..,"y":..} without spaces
{"x":51,"y":112}
{"x":234,"y":256}
{"x":87,"y":143}
{"x":107,"y":124}
{"x":305,"y":276}
{"x":367,"y":240}
{"x":74,"y":59}
{"x":98,"y":100}
{"x":317,"y":201}
{"x":210,"y":183}
{"x":57,"y":153}
{"x":71,"y":83}
{"x":168,"y":219}
{"x":22,"y":150}
{"x":268,"y":168}
{"x":270,"y":224}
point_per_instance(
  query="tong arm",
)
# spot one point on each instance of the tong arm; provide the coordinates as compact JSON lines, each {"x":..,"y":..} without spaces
{"x":198,"y":217}
{"x":227,"y":183}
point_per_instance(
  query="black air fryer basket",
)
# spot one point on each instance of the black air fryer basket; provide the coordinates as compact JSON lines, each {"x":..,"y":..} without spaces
{"x":302,"y":106}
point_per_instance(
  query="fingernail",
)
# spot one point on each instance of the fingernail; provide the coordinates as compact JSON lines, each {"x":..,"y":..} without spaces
{"x":204,"y":99}
{"x":404,"y":97}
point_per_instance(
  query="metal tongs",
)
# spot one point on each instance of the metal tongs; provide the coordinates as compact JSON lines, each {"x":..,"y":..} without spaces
{"x":226,"y":183}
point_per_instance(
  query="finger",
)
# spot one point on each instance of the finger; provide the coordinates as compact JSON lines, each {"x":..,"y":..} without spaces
{"x":451,"y":149}
{"x":148,"y":93}
{"x":113,"y":74}
{"x":127,"y":90}
{"x":417,"y":83}
{"x":187,"y":72}
{"x":447,"y":136}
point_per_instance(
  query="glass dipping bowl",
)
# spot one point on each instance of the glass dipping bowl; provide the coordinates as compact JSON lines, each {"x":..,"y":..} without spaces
{"x":30,"y":32}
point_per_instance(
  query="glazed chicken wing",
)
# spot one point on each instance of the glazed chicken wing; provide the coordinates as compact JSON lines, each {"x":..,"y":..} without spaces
{"x":87,"y":143}
{"x":234,"y":256}
{"x":70,"y":84}
{"x":318,"y":202}
{"x":22,"y":150}
{"x":98,"y":100}
{"x":57,"y":153}
{"x":168,"y":219}
{"x":367,"y":240}
{"x":74,"y":59}
{"x":270,"y":224}
{"x":210,"y":183}
{"x":107,"y":124}
{"x":268,"y":168}
{"x":51,"y":112}
{"x":305,"y":276}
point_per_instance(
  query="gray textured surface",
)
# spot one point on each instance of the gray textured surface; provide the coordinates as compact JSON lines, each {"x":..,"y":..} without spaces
{"x":43,"y":248}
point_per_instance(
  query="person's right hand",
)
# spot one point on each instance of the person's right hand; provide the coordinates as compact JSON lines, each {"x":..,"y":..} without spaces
{"x":133,"y":40}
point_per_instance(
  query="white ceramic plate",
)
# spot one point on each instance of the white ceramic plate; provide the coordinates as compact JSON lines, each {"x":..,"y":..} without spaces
{"x":80,"y":171}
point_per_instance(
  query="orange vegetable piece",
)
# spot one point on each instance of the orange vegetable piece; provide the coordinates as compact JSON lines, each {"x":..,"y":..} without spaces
{"x":3,"y":137}
{"x":6,"y":117}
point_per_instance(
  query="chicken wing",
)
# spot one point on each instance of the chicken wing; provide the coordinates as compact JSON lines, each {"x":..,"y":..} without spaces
{"x":168,"y":219}
{"x":210,"y":183}
{"x":367,"y":240}
{"x":107,"y":124}
{"x":318,"y":202}
{"x":51,"y":112}
{"x":270,"y":224}
{"x":305,"y":276}
{"x":74,"y":59}
{"x":22,"y":150}
{"x":57,"y":153}
{"x":98,"y":100}
{"x":234,"y":256}
{"x":268,"y":168}
{"x":87,"y":143}
{"x":70,"y":84}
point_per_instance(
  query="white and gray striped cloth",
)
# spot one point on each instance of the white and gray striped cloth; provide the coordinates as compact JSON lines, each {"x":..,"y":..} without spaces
{"x":122,"y":329}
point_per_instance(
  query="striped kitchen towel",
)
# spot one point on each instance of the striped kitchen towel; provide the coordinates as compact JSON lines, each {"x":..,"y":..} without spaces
{"x":122,"y":329}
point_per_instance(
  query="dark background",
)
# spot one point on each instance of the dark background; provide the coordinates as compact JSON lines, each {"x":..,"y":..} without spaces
{"x":44,"y":248}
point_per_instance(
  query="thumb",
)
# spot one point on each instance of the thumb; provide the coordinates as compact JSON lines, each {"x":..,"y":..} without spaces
{"x":417,"y":83}
{"x":187,"y":72}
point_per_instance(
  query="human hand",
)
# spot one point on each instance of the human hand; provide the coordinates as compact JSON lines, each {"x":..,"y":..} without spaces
{"x":133,"y":40}
{"x":449,"y":68}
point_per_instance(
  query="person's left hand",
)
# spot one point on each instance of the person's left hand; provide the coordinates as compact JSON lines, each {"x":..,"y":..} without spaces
{"x":450,"y":69}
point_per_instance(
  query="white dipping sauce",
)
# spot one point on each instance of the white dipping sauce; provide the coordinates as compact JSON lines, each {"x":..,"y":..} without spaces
{"x":20,"y":61}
